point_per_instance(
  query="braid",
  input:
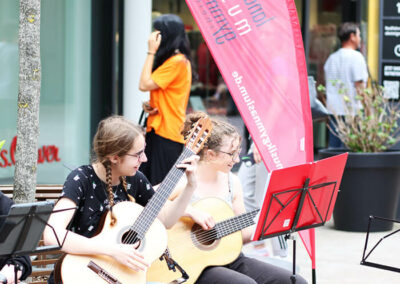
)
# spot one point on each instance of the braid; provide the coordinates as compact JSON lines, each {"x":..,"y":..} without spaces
{"x":114,"y":137}
{"x":125,"y":185}
{"x":107,"y":165}
{"x":123,"y":181}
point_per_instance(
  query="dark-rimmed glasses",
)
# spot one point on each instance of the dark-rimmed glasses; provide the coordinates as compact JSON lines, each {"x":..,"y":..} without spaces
{"x":234,"y":155}
{"x":137,"y":155}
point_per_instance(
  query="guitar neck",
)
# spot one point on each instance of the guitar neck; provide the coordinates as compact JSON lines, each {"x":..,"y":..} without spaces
{"x":235,"y":224}
{"x":153,"y":207}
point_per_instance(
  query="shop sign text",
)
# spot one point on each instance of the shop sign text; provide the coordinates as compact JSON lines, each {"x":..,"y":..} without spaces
{"x":47,"y":153}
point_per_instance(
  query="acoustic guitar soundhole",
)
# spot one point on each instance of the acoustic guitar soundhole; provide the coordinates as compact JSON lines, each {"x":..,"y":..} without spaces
{"x":131,"y":237}
{"x":202,"y":238}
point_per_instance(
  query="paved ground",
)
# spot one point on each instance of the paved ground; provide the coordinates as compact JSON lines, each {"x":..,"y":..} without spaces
{"x":338,"y":256}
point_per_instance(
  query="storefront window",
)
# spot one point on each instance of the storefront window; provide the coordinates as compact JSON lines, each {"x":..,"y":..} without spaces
{"x":65,"y":90}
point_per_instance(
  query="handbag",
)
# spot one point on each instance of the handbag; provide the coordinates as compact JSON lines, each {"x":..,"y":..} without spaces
{"x":143,"y":120}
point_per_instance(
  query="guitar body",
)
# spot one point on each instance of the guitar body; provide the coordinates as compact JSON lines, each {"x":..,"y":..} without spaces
{"x":75,"y":268}
{"x":193,"y":254}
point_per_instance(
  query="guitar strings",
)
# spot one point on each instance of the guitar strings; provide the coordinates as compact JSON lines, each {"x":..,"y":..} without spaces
{"x":204,"y":236}
{"x":243,"y":219}
{"x":175,"y":175}
{"x":201,"y":134}
{"x":207,"y":235}
{"x":231,"y":225}
{"x":158,"y":201}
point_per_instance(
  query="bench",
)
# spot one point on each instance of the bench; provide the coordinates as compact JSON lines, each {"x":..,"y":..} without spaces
{"x":42,"y":263}
{"x":43,"y":192}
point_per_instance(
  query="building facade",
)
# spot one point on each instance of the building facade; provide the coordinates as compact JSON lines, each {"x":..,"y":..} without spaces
{"x":92,"y":54}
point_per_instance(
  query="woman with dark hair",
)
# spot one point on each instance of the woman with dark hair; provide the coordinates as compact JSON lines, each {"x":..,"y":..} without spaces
{"x":167,"y":75}
{"x":173,"y":38}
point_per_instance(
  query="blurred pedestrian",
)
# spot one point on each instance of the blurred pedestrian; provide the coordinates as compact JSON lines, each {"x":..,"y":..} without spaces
{"x":167,"y":75}
{"x":253,"y":178}
{"x":345,"y":72}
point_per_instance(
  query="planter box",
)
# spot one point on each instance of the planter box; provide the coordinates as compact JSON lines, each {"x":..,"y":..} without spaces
{"x":370,"y":186}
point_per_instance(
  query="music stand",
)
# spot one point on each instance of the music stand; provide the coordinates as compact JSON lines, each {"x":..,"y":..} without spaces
{"x":22,"y":229}
{"x":364,"y":257}
{"x":299,"y":198}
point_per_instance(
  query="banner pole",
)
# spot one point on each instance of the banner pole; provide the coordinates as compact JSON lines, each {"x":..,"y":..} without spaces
{"x":314,"y":277}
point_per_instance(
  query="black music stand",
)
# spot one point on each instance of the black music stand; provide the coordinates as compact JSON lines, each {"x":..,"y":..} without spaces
{"x":364,"y":257}
{"x":22,"y":229}
{"x":299,"y":198}
{"x":173,"y":265}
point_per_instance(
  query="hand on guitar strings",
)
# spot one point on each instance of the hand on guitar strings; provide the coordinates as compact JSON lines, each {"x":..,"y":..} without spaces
{"x":204,"y":219}
{"x":190,"y":166}
{"x":127,"y":255}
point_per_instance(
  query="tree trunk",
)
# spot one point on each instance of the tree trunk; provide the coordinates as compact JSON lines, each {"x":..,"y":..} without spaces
{"x":28,"y":101}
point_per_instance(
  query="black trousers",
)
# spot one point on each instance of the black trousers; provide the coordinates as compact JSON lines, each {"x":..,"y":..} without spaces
{"x":246,"y":270}
{"x":161,"y":154}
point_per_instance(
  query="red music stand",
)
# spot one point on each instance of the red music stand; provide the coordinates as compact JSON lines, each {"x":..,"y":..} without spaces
{"x":299,"y":198}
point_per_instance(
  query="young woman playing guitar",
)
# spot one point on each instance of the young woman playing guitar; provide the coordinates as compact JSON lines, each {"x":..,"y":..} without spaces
{"x":214,"y":179}
{"x":113,"y":177}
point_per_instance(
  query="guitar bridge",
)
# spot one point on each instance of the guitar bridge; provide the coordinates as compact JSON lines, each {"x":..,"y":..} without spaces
{"x":102,"y":273}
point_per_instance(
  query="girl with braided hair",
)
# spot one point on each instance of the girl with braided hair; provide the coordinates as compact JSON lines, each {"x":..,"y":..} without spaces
{"x":112,"y":177}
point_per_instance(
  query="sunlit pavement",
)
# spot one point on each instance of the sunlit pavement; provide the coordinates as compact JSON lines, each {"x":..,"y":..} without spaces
{"x":338,"y":257}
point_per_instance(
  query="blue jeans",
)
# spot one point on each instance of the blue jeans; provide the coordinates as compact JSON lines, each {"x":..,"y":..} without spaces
{"x":334,"y":141}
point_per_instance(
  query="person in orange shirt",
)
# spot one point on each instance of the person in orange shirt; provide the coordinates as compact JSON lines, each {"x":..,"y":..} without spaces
{"x":167,"y":74}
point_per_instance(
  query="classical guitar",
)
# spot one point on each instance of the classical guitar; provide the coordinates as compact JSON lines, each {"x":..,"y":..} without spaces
{"x":194,"y":248}
{"x":134,"y":225}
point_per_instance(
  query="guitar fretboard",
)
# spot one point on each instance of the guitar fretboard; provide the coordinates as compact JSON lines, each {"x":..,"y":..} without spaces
{"x":153,"y":207}
{"x":235,"y":224}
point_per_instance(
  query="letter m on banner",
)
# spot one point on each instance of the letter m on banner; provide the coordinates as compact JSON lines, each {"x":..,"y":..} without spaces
{"x":258,"y":48}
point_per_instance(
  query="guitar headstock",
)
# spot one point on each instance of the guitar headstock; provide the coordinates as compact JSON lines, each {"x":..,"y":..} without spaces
{"x":198,"y":134}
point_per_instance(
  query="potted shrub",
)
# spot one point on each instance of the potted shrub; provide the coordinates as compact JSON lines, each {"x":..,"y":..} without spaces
{"x":371,"y":180}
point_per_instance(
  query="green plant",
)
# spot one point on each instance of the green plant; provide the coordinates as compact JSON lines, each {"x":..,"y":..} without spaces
{"x":374,"y":127}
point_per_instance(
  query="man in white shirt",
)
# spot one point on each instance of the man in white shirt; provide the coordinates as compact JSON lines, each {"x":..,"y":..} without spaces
{"x":345,"y":72}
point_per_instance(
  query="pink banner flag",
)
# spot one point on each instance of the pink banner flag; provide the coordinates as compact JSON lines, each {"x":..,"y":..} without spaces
{"x":257,"y":45}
